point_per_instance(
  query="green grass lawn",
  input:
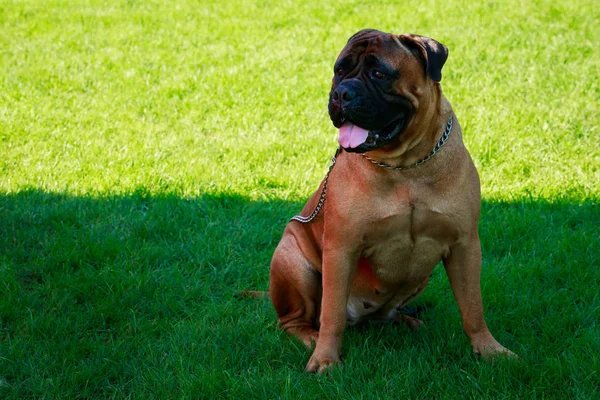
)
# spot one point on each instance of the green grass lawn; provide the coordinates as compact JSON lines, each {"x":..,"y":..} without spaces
{"x":151,"y":153}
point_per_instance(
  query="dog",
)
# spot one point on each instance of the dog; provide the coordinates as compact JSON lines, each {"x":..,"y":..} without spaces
{"x":402,"y":194}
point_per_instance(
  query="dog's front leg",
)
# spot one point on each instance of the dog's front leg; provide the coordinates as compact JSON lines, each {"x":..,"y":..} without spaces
{"x":463,"y":267}
{"x":338,"y":267}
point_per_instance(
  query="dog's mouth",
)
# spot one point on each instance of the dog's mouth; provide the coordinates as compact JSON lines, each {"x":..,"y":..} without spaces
{"x":355,"y":139}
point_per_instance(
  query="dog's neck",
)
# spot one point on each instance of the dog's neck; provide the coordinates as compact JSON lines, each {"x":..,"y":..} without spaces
{"x":416,"y":142}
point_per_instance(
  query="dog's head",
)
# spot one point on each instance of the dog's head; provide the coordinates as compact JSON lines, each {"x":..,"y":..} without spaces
{"x":379,"y":82}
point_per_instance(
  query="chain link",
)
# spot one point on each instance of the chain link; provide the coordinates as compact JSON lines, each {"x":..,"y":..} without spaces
{"x":436,"y":148}
{"x":321,"y":202}
{"x":306,"y":220}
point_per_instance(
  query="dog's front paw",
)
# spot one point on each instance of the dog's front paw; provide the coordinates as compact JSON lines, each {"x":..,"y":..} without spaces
{"x":322,"y":361}
{"x":490,"y":349}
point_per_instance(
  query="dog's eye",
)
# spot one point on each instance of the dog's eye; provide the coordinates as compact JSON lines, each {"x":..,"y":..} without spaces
{"x":339,"y":72}
{"x":377,"y":75}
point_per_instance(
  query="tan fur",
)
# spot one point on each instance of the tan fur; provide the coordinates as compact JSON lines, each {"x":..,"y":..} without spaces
{"x":375,"y":243}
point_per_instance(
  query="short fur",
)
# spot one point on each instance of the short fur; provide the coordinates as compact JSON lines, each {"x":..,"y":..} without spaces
{"x":375,"y":243}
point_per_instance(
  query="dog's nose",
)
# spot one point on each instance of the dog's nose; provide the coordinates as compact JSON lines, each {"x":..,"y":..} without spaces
{"x":343,"y":95}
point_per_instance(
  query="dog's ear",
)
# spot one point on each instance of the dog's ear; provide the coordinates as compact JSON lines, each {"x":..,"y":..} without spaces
{"x":433,"y":53}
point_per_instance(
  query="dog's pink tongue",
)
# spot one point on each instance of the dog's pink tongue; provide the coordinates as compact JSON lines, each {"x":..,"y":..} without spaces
{"x":352,"y":136}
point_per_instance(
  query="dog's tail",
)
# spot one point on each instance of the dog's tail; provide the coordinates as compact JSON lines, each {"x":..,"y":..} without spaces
{"x":254,"y":294}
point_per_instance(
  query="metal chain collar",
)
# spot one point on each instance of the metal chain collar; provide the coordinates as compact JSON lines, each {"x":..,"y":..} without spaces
{"x":306,"y":220}
{"x":321,"y":203}
{"x":436,"y":148}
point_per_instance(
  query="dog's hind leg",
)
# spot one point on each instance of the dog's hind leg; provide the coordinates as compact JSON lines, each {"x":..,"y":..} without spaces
{"x":295,"y":290}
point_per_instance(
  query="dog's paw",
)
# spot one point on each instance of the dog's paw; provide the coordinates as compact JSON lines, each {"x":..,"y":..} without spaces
{"x":491,"y":350}
{"x":413,"y":323}
{"x":320,"y":363}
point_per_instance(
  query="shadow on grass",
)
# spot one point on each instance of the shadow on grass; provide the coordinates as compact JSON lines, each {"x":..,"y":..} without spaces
{"x":98,"y":292}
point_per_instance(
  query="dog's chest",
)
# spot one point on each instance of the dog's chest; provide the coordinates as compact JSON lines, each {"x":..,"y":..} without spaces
{"x":407,"y":237}
{"x":403,"y":245}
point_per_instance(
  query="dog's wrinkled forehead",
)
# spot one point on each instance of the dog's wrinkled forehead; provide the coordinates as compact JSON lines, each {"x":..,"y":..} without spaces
{"x":371,"y":41}
{"x":429,"y":52}
{"x":365,"y":34}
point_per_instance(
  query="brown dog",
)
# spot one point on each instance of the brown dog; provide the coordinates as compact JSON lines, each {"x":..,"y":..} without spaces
{"x":391,"y":213}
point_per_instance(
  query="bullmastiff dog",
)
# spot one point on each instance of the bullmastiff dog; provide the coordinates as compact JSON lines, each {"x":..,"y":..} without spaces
{"x":403,"y":195}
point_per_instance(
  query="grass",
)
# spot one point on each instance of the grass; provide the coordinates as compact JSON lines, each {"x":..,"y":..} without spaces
{"x":152,"y":152}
